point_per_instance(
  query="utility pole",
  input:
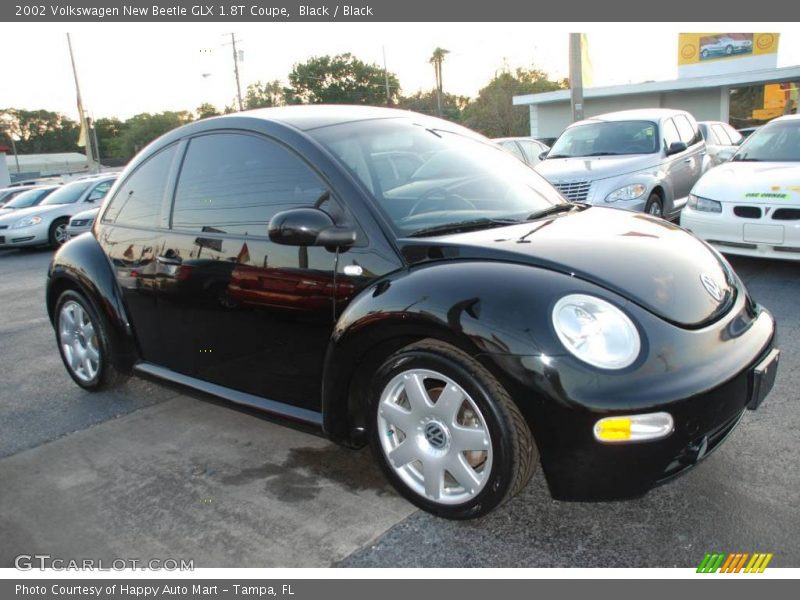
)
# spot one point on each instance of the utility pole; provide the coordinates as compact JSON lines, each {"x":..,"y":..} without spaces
{"x":84,"y":125}
{"x":576,"y":76}
{"x":386,"y":78}
{"x":236,"y":71}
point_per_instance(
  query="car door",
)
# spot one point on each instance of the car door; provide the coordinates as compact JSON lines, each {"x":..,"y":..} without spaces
{"x":129,"y":231}
{"x":234,"y":308}
{"x":695,"y":155}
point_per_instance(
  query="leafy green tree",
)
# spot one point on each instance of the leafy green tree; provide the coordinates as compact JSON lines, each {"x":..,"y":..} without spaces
{"x":206,"y":110}
{"x":493,"y":113}
{"x":428,"y":103}
{"x":108,"y":131}
{"x":436,"y":59}
{"x":341,"y":79}
{"x":265,"y":94}
{"x":141,"y":129}
{"x":40,"y":131}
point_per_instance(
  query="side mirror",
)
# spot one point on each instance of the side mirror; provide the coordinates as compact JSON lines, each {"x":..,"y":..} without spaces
{"x":544,"y":154}
{"x":308,"y":227}
{"x":676,"y":148}
{"x":725,"y":154}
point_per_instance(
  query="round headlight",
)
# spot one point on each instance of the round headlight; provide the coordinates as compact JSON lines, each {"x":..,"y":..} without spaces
{"x":596,"y":331}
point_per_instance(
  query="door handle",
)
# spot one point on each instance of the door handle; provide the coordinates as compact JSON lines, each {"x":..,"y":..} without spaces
{"x":688,"y":161}
{"x":168,"y":260}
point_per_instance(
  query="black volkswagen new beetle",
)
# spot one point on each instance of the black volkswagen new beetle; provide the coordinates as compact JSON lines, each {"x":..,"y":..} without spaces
{"x":393,"y":279}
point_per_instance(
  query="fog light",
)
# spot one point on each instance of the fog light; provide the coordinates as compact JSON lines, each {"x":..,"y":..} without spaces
{"x":634,"y":428}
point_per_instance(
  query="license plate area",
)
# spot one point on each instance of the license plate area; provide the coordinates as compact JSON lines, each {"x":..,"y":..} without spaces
{"x":763,"y":234}
{"x":763,"y":378}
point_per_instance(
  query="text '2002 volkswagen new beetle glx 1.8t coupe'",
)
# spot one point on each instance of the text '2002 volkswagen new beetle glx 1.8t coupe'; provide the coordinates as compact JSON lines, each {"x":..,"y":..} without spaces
{"x":464,"y":319}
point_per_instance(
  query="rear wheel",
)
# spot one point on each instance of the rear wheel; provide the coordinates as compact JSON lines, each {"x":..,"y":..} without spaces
{"x":58,"y":233}
{"x":447,"y":434}
{"x":654,"y":206}
{"x":84,"y":344}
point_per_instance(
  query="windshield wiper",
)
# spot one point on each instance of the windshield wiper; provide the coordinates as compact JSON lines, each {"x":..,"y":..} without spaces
{"x":745,"y":159}
{"x":462,"y":226}
{"x":558,"y":156}
{"x":556,"y":208}
{"x":604,"y":154}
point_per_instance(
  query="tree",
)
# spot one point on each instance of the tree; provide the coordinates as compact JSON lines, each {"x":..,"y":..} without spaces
{"x":265,"y":94}
{"x":108,"y":131}
{"x":341,"y":79}
{"x":206,"y":110}
{"x":140,"y":130}
{"x":493,"y":113}
{"x":436,"y":59}
{"x":41,"y":131}
{"x":428,"y":103}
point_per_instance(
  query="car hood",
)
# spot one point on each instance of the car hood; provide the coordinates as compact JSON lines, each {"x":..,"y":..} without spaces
{"x":648,"y":261}
{"x":54,"y":209}
{"x":592,"y":168}
{"x":754,"y":182}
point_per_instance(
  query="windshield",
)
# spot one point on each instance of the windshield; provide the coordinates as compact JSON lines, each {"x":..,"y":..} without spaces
{"x":26,"y":199}
{"x":457,"y":179}
{"x":775,"y":142}
{"x":607,"y":138}
{"x":68,"y":194}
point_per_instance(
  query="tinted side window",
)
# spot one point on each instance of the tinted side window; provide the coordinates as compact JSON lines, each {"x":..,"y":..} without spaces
{"x":736,"y":137}
{"x":513,"y":148}
{"x":100,"y":191}
{"x":138,"y":201}
{"x":671,"y":134}
{"x":532,"y":151}
{"x":234,"y":183}
{"x":685,"y":130}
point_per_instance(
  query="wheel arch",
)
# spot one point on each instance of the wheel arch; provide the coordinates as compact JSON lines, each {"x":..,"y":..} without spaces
{"x":82,"y":266}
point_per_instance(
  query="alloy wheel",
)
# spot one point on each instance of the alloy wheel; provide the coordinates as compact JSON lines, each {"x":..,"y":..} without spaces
{"x":78,"y":340}
{"x":434,"y":436}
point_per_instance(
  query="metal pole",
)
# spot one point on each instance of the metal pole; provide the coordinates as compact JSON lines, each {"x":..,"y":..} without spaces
{"x":14,"y":149}
{"x":386,"y":77}
{"x":236,"y":71}
{"x":96,"y":144}
{"x":89,"y":153}
{"x":576,"y":76}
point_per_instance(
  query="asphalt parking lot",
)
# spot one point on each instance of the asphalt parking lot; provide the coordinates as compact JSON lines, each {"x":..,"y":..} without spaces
{"x":146,"y":471}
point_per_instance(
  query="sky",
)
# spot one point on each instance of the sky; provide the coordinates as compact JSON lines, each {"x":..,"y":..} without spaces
{"x":126,"y":69}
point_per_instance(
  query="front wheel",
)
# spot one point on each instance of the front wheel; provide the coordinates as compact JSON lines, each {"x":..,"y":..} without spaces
{"x":58,"y":235}
{"x":447,"y":434}
{"x":84,"y":343}
{"x":654,"y":206}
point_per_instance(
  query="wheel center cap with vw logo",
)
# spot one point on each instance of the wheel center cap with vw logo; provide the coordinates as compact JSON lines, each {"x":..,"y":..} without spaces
{"x":712,"y":287}
{"x":435,"y":435}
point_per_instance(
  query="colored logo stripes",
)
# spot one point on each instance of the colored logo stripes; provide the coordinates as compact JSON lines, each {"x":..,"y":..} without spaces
{"x":734,"y":563}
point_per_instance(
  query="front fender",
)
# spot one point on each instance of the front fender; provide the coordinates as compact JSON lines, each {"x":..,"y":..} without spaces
{"x":81,"y":264}
{"x":489,"y":309}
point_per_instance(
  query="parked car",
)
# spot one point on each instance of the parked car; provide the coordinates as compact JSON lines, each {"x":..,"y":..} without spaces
{"x":751,"y":204}
{"x":29,"y":197}
{"x":82,"y":222}
{"x":46,"y":224}
{"x":468,"y":324}
{"x":527,"y":149}
{"x":748,"y":131}
{"x":639,"y":160}
{"x":722,"y":140}
{"x":8,"y":194}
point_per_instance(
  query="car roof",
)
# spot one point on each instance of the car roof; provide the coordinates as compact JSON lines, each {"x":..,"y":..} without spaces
{"x":637,"y":114}
{"x":312,"y":116}
{"x":786,"y":118}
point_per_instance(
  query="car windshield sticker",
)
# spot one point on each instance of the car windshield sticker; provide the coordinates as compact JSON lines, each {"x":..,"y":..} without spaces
{"x":774,"y":195}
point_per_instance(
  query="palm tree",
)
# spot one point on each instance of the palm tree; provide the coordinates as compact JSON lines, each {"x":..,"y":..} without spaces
{"x":436,"y":59}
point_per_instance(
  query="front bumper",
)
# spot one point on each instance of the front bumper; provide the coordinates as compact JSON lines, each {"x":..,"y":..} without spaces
{"x":763,"y":237}
{"x":704,"y":378}
{"x":34,"y":235}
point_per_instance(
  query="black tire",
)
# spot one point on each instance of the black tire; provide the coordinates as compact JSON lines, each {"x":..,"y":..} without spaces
{"x":52,"y":236}
{"x":654,"y":206}
{"x":515,"y":456}
{"x":107,"y":376}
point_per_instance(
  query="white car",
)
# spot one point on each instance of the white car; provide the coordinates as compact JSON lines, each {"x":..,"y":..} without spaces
{"x":82,"y":222}
{"x":751,"y":205}
{"x":46,"y":224}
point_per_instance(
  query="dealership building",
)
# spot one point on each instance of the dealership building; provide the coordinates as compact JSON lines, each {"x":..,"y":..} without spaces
{"x":708,"y":98}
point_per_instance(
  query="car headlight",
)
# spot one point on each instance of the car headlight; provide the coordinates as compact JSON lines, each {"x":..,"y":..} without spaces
{"x":27,"y":222}
{"x":703,"y":204}
{"x":596,"y":331}
{"x":629,"y":192}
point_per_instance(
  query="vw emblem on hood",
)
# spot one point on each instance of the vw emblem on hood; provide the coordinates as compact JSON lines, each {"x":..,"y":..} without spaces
{"x":712,"y":287}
